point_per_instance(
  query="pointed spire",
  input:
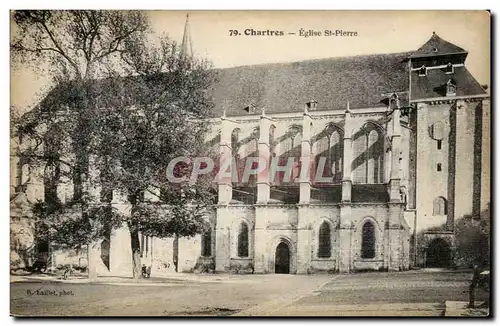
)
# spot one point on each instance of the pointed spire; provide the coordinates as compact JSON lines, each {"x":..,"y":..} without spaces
{"x":223,"y":114}
{"x":348,"y":110}
{"x":263,"y":112}
{"x":187,"y":46}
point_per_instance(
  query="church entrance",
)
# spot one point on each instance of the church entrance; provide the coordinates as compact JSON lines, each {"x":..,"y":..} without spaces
{"x":438,"y":254}
{"x":282,"y":259}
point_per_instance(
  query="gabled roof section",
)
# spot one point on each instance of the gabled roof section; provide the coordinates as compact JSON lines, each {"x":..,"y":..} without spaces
{"x":434,"y":84}
{"x":437,"y":46}
{"x":287,"y":87}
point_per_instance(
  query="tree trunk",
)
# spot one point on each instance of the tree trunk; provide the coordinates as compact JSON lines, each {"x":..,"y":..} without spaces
{"x":92,"y":260}
{"x":176,"y":253}
{"x":136,"y":252}
{"x":92,"y":250}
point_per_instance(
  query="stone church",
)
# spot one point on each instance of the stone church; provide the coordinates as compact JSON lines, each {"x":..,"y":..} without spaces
{"x":395,"y":144}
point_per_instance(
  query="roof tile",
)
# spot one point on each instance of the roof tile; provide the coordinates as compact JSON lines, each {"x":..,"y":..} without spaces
{"x":286,"y":87}
{"x":436,"y":46}
{"x":434,"y":84}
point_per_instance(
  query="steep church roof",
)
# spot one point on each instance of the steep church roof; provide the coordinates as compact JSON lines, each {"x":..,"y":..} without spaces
{"x":286,"y":87}
{"x":437,"y":46}
{"x":364,"y":81}
{"x":434,"y":84}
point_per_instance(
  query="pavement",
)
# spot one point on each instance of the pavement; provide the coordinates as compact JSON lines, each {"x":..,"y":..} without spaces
{"x":412,"y":293}
{"x":461,"y":309}
{"x":162,"y":280}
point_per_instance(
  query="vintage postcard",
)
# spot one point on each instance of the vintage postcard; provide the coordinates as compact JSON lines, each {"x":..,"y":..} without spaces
{"x":250,"y":163}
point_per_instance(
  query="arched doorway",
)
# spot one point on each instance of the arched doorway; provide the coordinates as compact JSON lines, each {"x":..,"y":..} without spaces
{"x":282,"y":260}
{"x":438,"y":254}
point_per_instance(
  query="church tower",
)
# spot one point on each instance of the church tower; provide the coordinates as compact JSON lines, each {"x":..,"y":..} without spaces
{"x":448,"y":124}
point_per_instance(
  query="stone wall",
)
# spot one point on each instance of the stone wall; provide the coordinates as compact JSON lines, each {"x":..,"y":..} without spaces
{"x":280,"y":224}
{"x":75,"y":258}
{"x":464,"y":173}
{"x":428,"y":156}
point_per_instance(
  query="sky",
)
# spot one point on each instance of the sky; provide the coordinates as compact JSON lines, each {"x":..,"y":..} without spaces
{"x":376,"y":32}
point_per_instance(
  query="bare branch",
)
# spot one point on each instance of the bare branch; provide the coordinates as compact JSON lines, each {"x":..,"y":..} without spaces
{"x":56,"y":44}
{"x":117,"y":42}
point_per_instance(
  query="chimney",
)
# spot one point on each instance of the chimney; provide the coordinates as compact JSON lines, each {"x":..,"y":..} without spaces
{"x":250,"y":108}
{"x":451,"y":88}
{"x":312,"y":105}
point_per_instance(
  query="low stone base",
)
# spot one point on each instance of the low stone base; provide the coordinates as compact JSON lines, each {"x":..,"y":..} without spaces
{"x":205,"y":265}
{"x":461,"y":309}
{"x":241,"y":266}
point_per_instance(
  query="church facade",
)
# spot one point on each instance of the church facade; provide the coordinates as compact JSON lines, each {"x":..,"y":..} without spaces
{"x":404,"y":138}
{"x":371,"y":150}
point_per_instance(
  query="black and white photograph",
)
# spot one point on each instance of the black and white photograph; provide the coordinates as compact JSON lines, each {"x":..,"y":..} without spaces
{"x":189,"y":163}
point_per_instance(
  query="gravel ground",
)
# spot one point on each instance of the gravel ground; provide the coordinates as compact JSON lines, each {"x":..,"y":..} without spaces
{"x":238,"y":294}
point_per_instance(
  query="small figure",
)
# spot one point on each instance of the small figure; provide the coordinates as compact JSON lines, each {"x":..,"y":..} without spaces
{"x":146,"y":271}
{"x":67,"y":272}
{"x":480,"y":280}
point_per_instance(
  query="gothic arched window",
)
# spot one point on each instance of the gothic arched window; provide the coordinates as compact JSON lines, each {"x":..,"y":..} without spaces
{"x":372,"y":158}
{"x":290,"y":148}
{"x":439,"y":206}
{"x":368,"y":241}
{"x":285,"y":151}
{"x":324,"y":241}
{"x":368,"y":157}
{"x":336,"y":153}
{"x":330,"y":148}
{"x":206,"y":243}
{"x":243,"y":240}
{"x":359,"y":160}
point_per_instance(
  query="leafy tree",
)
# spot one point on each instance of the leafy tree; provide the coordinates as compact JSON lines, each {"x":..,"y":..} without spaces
{"x":473,"y":244}
{"x":472,"y":239}
{"x":152,"y":118}
{"x":72,"y":48}
{"x":113,"y":125}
